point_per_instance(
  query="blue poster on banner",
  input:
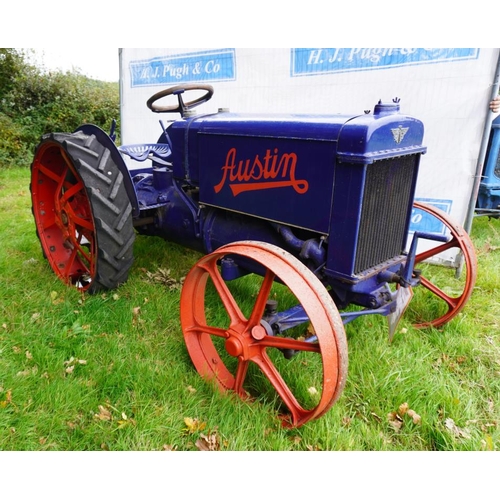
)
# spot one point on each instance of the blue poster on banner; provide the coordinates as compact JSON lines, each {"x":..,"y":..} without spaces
{"x":424,"y":222}
{"x":210,"y":65}
{"x":313,"y":61}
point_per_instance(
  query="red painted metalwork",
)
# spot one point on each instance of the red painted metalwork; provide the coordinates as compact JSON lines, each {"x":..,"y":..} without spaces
{"x":453,"y":302}
{"x":227,"y":353}
{"x":63,"y":216}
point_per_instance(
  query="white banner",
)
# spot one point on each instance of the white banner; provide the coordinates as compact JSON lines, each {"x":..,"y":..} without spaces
{"x":448,"y":89}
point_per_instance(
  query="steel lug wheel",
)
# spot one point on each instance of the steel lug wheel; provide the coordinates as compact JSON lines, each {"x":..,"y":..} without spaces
{"x":442,"y":294}
{"x":231,"y":345}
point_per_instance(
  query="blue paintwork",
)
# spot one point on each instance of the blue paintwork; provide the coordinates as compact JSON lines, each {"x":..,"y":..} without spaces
{"x":294,"y":180}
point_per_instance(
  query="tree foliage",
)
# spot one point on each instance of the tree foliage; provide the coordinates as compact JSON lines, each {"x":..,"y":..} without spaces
{"x":34,"y":102}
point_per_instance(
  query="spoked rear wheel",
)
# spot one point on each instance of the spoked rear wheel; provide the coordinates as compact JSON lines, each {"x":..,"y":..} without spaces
{"x":82,"y":213}
{"x":232,"y":345}
{"x":442,"y":294}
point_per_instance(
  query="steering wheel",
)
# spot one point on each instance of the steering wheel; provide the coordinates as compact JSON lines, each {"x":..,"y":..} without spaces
{"x":182,"y":106}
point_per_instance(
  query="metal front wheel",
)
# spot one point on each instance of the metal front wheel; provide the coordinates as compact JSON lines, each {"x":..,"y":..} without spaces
{"x":231,"y":344}
{"x":442,"y":294}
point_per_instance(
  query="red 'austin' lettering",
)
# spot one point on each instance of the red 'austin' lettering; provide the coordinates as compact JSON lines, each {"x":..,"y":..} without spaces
{"x":269,"y":172}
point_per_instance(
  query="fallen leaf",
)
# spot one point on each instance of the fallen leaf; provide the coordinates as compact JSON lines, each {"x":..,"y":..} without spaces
{"x":126,"y":422}
{"x":7,"y":400}
{"x":55,"y":299}
{"x":414,"y":416}
{"x":208,"y":443}
{"x":193,"y":425}
{"x":488,"y":443}
{"x":316,"y":447}
{"x":346,"y":421}
{"x":310,"y":331}
{"x":72,"y":362}
{"x":162,"y":276}
{"x":169,"y":447}
{"x":395,"y":420}
{"x":455,"y":430}
{"x":403,"y":408}
{"x":488,"y":248}
{"x":104,"y":414}
{"x":29,"y":371}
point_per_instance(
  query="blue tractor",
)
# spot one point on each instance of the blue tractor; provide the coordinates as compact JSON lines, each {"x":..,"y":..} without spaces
{"x":303,"y":223}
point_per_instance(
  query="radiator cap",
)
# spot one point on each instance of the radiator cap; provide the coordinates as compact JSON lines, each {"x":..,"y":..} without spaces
{"x":382,"y":109}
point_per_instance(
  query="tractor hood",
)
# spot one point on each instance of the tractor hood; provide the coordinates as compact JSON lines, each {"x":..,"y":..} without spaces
{"x":284,"y":165}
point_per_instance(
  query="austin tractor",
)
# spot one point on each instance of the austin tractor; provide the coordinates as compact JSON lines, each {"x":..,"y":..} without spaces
{"x":303,"y":223}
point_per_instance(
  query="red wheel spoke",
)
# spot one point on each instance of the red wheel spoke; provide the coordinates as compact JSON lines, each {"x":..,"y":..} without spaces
{"x":83,"y":223}
{"x":79,"y":221}
{"x":57,"y":178}
{"x":205,"y":329}
{"x":436,"y":251}
{"x":239,"y":379}
{"x":289,"y":343}
{"x":439,"y":293}
{"x":281,"y":387}
{"x":80,"y":251}
{"x":60,"y":184}
{"x":71,"y":261}
{"x":232,"y":308}
{"x":72,"y":190}
{"x":260,"y":303}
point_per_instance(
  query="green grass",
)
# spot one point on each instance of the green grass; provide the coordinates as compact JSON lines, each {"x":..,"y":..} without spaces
{"x":112,"y":372}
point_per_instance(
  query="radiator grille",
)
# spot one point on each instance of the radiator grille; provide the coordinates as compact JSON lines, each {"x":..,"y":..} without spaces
{"x":386,"y":198}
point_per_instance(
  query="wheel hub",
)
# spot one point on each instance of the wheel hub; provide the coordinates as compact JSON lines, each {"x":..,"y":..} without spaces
{"x":234,"y":346}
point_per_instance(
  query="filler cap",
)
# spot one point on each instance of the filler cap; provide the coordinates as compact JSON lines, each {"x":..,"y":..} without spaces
{"x":382,"y":109}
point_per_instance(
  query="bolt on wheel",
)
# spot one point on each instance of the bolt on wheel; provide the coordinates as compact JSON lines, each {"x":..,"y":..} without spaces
{"x":444,"y":289}
{"x":232,"y":342}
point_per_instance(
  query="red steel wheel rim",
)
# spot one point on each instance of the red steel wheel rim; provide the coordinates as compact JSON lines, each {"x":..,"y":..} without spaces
{"x":63,"y":216}
{"x":459,"y":240}
{"x":248,"y":342}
